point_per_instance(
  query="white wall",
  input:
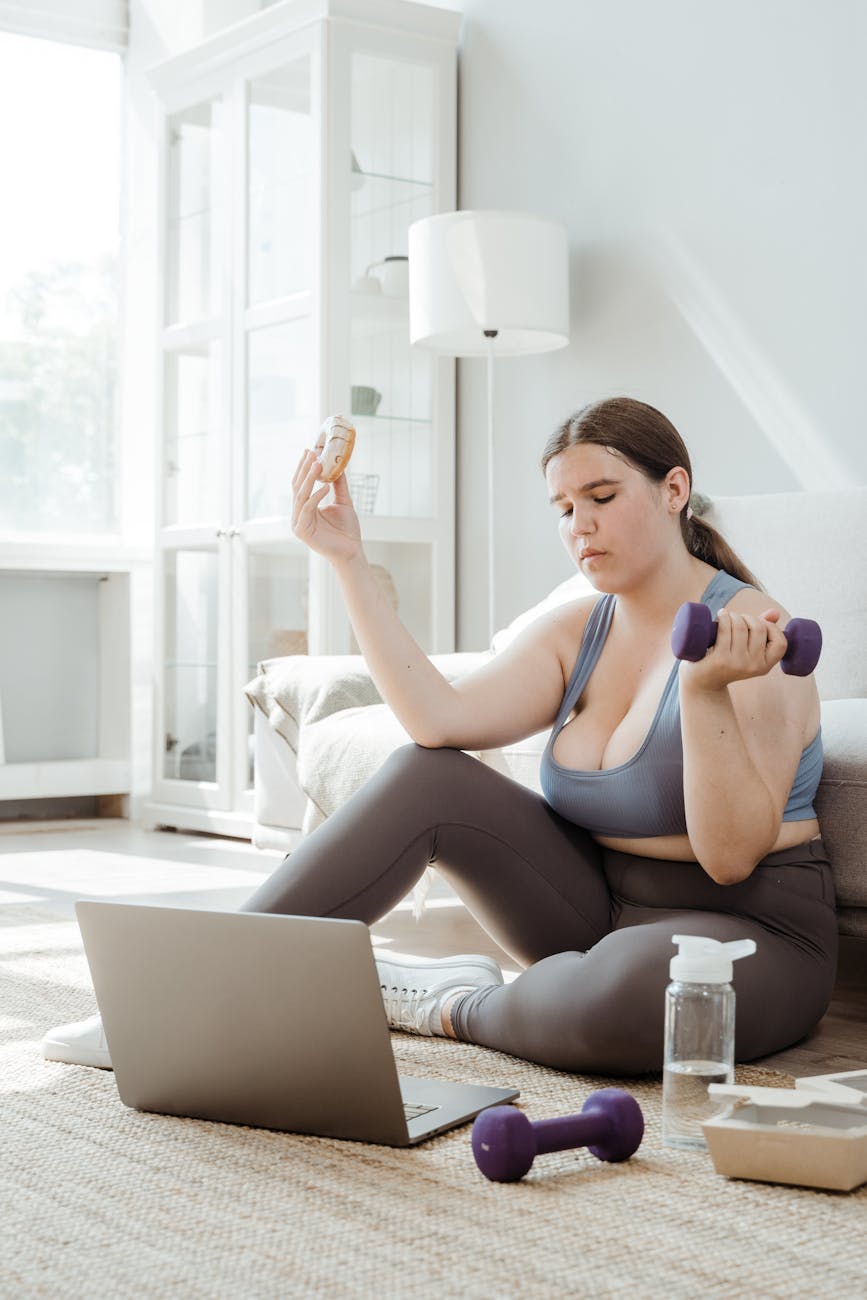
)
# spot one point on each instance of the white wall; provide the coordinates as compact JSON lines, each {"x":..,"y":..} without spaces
{"x":711,"y":166}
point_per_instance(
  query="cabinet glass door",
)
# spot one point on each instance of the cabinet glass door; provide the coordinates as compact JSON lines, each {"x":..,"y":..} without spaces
{"x":281,"y":404}
{"x":404,"y":573}
{"x":281,"y":180}
{"x":282,"y":267}
{"x":276,"y":581}
{"x":193,"y":449}
{"x":196,"y":226}
{"x":190,"y":667}
{"x":392,"y":116}
{"x":298,"y":149}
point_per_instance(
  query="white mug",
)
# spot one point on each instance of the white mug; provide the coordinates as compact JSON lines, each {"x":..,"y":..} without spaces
{"x":366,"y":284}
{"x":393,"y":272}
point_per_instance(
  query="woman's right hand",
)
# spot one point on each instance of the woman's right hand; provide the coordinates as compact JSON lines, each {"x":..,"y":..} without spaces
{"x":333,"y":530}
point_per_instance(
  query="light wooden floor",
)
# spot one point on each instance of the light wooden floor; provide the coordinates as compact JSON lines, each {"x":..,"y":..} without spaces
{"x":50,"y":865}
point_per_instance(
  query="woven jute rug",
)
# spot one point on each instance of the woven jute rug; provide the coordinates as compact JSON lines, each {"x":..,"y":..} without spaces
{"x":99,"y":1200}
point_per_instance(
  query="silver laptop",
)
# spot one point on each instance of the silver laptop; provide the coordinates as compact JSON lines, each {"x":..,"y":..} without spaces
{"x":250,"y":1018}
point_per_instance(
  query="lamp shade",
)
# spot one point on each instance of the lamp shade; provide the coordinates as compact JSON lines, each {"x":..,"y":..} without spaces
{"x":475,"y":271}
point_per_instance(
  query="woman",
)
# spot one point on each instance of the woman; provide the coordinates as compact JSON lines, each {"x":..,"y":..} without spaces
{"x":677,"y":796}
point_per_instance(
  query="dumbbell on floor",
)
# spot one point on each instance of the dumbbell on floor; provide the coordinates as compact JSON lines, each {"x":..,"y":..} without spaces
{"x":695,"y":629}
{"x":505,"y":1142}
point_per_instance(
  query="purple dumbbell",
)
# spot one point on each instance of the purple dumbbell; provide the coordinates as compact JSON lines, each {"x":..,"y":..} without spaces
{"x":695,"y":629}
{"x":505,"y":1142}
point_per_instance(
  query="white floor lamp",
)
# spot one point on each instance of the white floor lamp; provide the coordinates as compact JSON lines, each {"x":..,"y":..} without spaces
{"x":488,"y":284}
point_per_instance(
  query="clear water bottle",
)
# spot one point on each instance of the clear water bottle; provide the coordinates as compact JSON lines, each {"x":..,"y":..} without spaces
{"x":699,"y":1034}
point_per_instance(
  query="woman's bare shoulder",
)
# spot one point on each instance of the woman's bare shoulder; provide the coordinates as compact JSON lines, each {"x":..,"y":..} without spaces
{"x":559,"y":625}
{"x":798,"y":697}
{"x":561,"y":629}
{"x":569,"y":616}
{"x":749,"y":600}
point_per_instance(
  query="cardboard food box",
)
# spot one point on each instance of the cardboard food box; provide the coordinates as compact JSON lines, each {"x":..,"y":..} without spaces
{"x":789,"y":1135}
{"x":848,"y":1085}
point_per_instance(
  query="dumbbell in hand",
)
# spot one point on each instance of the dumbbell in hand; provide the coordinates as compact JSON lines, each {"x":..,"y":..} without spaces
{"x":695,"y":629}
{"x":505,"y":1142}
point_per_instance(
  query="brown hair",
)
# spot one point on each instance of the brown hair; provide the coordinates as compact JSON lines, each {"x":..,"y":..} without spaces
{"x":648,"y":441}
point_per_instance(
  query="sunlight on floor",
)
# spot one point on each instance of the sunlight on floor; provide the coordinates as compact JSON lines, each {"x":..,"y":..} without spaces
{"x":52,"y":871}
{"x":93,"y":871}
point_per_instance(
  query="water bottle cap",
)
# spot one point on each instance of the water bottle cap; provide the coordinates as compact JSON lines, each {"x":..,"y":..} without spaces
{"x":707,"y":961}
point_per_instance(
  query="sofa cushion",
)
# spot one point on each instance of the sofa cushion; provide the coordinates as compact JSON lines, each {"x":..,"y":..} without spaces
{"x":300,"y":694}
{"x":339,"y":753}
{"x":520,"y":760}
{"x":297,"y":689}
{"x":841,"y":800}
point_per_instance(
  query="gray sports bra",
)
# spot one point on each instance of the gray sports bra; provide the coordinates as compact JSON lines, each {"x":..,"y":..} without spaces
{"x":644,"y":796}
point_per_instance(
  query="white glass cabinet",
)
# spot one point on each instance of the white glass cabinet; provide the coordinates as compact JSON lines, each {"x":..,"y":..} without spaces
{"x":299,"y":146}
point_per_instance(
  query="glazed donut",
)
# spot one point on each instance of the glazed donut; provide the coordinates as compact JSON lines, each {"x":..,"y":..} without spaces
{"x":334,"y":446}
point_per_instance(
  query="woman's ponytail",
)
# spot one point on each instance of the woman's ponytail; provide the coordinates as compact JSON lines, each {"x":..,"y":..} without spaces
{"x":705,"y":543}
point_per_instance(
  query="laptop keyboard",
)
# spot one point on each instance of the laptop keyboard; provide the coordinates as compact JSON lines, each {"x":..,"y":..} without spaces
{"x":414,"y":1111}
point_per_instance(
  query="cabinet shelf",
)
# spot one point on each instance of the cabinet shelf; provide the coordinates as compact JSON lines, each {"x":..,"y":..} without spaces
{"x":378,"y":313}
{"x":398,"y":528}
{"x":188,"y":214}
{"x":192,"y":338}
{"x":273,"y":311}
{"x":67,"y":722}
{"x":189,"y":537}
{"x":390,"y":420}
{"x":64,"y":778}
{"x":379,"y":192}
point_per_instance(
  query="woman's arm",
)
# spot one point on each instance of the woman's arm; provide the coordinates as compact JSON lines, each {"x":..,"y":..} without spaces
{"x":743,"y":724}
{"x":513,"y":696}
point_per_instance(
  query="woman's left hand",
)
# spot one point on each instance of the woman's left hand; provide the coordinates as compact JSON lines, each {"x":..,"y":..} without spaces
{"x":747,"y":645}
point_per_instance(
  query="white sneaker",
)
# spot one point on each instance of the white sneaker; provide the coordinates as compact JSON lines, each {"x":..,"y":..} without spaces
{"x":414,"y":988}
{"x":81,"y":1043}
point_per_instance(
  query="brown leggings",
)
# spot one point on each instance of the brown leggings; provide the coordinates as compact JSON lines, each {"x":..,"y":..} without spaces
{"x":592,"y":926}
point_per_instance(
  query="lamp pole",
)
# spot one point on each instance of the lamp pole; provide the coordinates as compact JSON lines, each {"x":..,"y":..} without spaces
{"x":490,"y":335}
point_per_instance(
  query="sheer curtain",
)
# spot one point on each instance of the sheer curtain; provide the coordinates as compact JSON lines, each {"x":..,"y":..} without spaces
{"x":59,"y":277}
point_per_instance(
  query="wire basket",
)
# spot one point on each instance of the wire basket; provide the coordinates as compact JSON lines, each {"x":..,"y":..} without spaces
{"x":363,"y":488}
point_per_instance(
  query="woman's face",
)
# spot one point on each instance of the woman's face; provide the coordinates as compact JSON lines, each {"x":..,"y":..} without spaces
{"x":614,"y":521}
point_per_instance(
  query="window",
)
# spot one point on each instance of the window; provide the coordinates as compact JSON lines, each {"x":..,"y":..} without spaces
{"x":60,"y":159}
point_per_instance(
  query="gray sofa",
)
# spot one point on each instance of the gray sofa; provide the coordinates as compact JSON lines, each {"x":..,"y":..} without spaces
{"x":321,"y":729}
